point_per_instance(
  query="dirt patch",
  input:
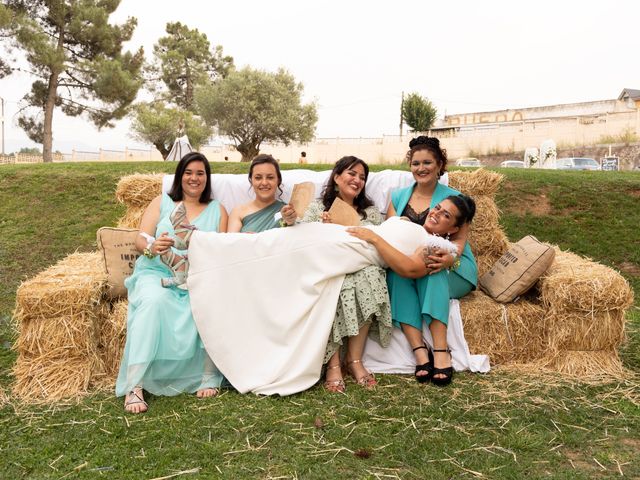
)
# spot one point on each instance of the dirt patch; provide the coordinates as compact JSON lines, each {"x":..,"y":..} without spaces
{"x":634,"y":443}
{"x":536,"y":205}
{"x":635,"y":193}
{"x":629,"y":268}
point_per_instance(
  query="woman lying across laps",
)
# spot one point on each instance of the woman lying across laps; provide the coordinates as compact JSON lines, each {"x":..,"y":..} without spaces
{"x":426,"y":299}
{"x":163,"y":353}
{"x":445,"y":219}
{"x":265,"y":304}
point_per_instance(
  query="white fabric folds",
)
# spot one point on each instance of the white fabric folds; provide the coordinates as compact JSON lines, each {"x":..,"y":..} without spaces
{"x":264,"y":303}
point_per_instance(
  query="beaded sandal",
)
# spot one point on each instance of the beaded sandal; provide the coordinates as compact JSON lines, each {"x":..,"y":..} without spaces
{"x":134,"y":398}
{"x":368,"y":380}
{"x":334,"y":386}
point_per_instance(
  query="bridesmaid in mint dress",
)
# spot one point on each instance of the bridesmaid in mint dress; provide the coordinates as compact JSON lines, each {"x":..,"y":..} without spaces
{"x":163,"y":352}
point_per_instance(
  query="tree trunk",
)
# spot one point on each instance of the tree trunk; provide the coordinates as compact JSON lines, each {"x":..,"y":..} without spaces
{"x":49,"y":105}
{"x":162,"y":149}
{"x":188,"y":94}
{"x":248,"y":150}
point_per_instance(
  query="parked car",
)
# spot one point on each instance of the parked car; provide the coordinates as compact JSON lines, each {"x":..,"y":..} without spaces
{"x":512,"y":164}
{"x":573,"y":163}
{"x":468,"y":162}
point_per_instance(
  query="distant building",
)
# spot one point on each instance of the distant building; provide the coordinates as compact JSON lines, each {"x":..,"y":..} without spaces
{"x":600,"y":121}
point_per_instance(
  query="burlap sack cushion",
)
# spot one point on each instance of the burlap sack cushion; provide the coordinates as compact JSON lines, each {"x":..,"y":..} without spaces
{"x":118,"y":249}
{"x":517,"y":270}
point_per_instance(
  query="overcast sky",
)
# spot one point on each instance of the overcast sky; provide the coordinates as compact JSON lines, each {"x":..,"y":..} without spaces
{"x":355,"y":58}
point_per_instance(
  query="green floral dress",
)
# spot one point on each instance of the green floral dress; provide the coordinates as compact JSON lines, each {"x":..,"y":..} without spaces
{"x":363,"y":297}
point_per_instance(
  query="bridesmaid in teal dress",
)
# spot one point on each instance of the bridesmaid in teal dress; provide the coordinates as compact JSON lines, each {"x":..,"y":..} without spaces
{"x":258,"y":215}
{"x":427,"y":299}
{"x":163,"y":352}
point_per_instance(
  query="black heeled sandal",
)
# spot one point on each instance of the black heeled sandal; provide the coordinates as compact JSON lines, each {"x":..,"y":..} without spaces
{"x":447,"y":372}
{"x":425,"y":367}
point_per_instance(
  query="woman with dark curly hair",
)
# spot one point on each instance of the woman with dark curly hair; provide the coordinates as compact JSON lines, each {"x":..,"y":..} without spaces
{"x":427,"y":298}
{"x":364,"y":298}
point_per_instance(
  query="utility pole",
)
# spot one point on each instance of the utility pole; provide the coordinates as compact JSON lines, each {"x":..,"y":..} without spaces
{"x":401,"y":117}
{"x":2,"y":119}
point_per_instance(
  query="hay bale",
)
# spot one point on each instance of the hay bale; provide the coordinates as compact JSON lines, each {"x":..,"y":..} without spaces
{"x":72,"y":333}
{"x":477,"y":182}
{"x":578,"y":330}
{"x":67,"y":288}
{"x":132,"y":217}
{"x":111,"y":343}
{"x":577,"y":283}
{"x":485,"y":262}
{"x":508,"y":333}
{"x":58,"y":316}
{"x":52,"y":376}
{"x":138,"y":190}
{"x":485,"y":235}
{"x":592,"y":365}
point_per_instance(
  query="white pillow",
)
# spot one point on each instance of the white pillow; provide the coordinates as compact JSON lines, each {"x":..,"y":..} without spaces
{"x":233,"y":189}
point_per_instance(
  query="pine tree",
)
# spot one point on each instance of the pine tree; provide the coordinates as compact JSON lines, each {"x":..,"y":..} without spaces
{"x":77,"y":58}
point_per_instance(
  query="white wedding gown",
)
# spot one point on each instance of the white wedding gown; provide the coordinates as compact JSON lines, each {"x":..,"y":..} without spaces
{"x":264,"y":303}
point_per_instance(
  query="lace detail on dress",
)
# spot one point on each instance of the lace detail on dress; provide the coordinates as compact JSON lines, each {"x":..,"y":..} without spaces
{"x":415,"y":217}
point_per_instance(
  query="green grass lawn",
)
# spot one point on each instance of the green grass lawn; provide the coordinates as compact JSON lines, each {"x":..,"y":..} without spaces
{"x":500,"y":425}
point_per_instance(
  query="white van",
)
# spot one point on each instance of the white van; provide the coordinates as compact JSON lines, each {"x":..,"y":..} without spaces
{"x":573,"y":163}
{"x":468,"y":162}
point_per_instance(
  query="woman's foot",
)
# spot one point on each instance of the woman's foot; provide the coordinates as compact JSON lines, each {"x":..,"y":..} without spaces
{"x":207,"y":392}
{"x":182,"y":229}
{"x":442,"y":374}
{"x":424,"y":363}
{"x":134,"y":401}
{"x":361,"y":375}
{"x":333,"y":381}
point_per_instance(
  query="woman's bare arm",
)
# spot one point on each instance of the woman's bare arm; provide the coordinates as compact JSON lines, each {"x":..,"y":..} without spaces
{"x":406,"y":266}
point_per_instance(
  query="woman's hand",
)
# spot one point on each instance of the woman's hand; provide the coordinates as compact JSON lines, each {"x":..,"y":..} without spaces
{"x":441,"y":260}
{"x":326,"y":217}
{"x":363,"y":234}
{"x":162,"y":244}
{"x":289,"y":214}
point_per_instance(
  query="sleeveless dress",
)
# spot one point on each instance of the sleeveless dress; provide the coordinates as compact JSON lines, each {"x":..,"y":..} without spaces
{"x":426,"y":298}
{"x":163,"y":352}
{"x":262,"y":219}
{"x":363,"y":297}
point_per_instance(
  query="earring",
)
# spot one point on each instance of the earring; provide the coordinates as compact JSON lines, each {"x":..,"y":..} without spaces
{"x":447,"y":236}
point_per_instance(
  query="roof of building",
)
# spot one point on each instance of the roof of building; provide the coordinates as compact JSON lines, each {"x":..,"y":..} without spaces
{"x":632,"y":93}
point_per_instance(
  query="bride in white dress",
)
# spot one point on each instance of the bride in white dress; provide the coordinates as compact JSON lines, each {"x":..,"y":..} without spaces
{"x":264,"y":303}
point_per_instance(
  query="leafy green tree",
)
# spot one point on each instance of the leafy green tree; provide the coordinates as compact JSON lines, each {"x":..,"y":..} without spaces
{"x":252,"y":106}
{"x":30,"y":151}
{"x":76,"y":56}
{"x":159,"y":125}
{"x":418,"y":112}
{"x":183,"y":60}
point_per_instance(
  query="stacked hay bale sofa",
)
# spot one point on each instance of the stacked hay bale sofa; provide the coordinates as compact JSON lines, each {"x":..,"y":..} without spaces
{"x":71,"y":332}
